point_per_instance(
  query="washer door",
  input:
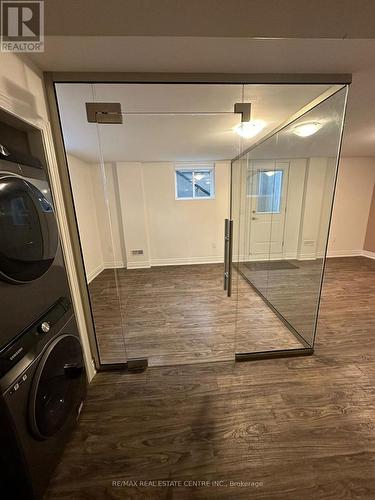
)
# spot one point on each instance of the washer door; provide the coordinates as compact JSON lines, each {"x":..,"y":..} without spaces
{"x":58,"y":386}
{"x":28,"y":231}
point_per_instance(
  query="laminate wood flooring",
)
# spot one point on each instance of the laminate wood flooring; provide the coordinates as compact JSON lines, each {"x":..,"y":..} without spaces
{"x":298,"y":428}
{"x":294,"y":291}
{"x":181,"y":315}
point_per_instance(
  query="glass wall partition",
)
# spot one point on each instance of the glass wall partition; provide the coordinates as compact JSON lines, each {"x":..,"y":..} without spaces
{"x":150,"y":184}
{"x":93,"y":185}
{"x":282,"y":197}
{"x":172,"y":179}
{"x":151,"y":177}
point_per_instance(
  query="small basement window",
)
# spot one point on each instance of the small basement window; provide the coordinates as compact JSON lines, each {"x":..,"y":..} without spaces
{"x":194,"y":182}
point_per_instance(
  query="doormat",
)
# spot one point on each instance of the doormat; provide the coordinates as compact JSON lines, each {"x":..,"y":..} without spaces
{"x":270,"y":265}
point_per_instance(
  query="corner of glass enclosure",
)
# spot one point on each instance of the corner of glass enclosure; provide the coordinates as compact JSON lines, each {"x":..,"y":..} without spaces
{"x":282,"y":200}
{"x":281,"y":192}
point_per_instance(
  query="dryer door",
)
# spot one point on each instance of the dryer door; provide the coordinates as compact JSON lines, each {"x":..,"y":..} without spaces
{"x":57,"y":390}
{"x":28,"y":231}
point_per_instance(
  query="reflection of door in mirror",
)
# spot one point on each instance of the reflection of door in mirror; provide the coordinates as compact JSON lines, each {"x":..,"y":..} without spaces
{"x":267,"y":184}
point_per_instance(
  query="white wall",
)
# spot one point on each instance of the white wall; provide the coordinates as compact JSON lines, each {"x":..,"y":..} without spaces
{"x":296,"y":185}
{"x":106,"y":186}
{"x":99,"y":216}
{"x":308,"y":196}
{"x":316,"y":207}
{"x":185,"y":231}
{"x":134,"y":213}
{"x":352,"y":205}
{"x":146,"y":216}
{"x":22,"y":93}
{"x":21,"y":88}
{"x":170,"y":231}
{"x":86,"y":205}
{"x":309,"y":199}
{"x":369,"y":245}
{"x":351,"y":208}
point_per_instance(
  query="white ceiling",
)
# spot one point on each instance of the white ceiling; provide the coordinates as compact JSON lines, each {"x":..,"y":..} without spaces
{"x":160,"y":137}
{"x":324,"y":143}
{"x":269,"y":18}
{"x":232,"y":55}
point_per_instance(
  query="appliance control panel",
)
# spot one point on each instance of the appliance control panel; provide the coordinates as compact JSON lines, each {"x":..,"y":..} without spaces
{"x":18,"y":384}
{"x":26,"y":340}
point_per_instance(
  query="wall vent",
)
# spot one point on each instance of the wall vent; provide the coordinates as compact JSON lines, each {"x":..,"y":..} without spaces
{"x":137,"y":252}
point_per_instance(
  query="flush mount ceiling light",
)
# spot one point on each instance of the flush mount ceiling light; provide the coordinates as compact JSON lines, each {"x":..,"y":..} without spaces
{"x":249,"y":129}
{"x":306,"y":129}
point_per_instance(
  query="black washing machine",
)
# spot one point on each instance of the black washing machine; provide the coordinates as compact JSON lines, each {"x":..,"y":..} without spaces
{"x":42,"y":376}
{"x":32,"y":270}
{"x":41,"y":399}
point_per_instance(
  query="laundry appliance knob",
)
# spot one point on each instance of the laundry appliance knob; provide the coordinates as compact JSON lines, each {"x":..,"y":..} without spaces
{"x":44,"y":327}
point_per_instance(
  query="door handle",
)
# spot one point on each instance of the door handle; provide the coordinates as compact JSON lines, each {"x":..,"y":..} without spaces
{"x":226,"y":239}
{"x":228,"y":250}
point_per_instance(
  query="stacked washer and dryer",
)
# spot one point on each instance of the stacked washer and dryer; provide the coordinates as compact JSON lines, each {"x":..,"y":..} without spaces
{"x":42,"y":374}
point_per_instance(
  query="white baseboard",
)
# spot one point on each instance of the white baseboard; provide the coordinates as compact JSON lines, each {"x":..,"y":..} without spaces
{"x":307,"y":256}
{"x":183,"y":261}
{"x":114,"y":264}
{"x":263,"y":257}
{"x":344,"y":253}
{"x":145,"y":264}
{"x":105,"y":265}
{"x":94,"y":273}
{"x":367,"y":253}
{"x":351,"y":253}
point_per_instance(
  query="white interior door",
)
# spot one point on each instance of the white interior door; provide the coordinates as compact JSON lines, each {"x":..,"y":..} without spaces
{"x":267,"y":194}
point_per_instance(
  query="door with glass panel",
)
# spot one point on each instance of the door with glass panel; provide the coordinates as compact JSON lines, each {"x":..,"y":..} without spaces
{"x":281,"y":202}
{"x":267,"y":190}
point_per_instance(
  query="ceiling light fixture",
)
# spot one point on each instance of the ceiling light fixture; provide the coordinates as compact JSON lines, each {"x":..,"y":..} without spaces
{"x":249,"y":129}
{"x":307,"y":129}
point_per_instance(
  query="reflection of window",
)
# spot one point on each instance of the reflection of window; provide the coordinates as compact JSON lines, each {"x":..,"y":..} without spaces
{"x":269,"y":191}
{"x":194,"y":183}
{"x":19,"y":211}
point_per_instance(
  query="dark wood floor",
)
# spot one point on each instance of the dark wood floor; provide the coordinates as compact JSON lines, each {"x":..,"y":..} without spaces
{"x":179,"y":315}
{"x":293,"y":291}
{"x":304,"y":428}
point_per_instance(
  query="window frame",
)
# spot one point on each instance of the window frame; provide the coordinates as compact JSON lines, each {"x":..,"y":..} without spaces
{"x":195,"y":167}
